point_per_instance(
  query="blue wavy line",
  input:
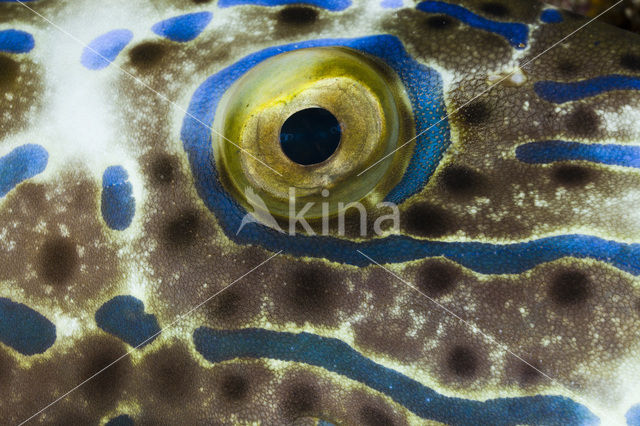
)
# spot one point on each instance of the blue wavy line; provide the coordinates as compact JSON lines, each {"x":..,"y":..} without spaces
{"x":559,"y":92}
{"x":336,"y":356}
{"x":549,"y":151}
{"x":517,"y":34}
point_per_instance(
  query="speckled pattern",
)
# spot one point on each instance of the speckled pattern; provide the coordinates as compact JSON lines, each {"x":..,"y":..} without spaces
{"x":527,"y":310}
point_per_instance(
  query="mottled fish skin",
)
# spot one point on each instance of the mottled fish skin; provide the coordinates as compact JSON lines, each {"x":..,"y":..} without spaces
{"x":524,"y":241}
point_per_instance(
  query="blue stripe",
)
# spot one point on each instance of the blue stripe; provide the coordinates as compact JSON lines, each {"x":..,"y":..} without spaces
{"x":22,"y":163}
{"x":24,"y":329}
{"x":118,"y":205}
{"x":16,"y":41}
{"x":550,"y":151}
{"x":183,"y":28}
{"x":336,"y":356}
{"x":517,"y":34}
{"x":559,"y":92}
{"x":104,"y":49}
{"x":333,"y":5}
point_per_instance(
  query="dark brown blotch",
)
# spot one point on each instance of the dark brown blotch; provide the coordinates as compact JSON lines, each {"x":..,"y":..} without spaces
{"x":462,"y":362}
{"x":173,"y":373}
{"x":631,"y":62}
{"x":461,"y":181}
{"x":297,"y":15}
{"x":570,"y":175}
{"x":299,"y":400}
{"x":58,"y":261}
{"x":475,"y":113}
{"x":9,"y":70}
{"x":567,"y":68}
{"x":371,"y":415}
{"x":182,"y":231}
{"x":233,"y":387}
{"x":226,"y":306}
{"x":495,"y":9}
{"x":583,"y":122}
{"x":427,"y":220}
{"x":147,"y":55}
{"x":570,"y":288}
{"x":163,"y":169}
{"x":439,"y":22}
{"x":110,"y":371}
{"x":437,"y":279}
{"x":313,"y":293}
{"x":528,"y":374}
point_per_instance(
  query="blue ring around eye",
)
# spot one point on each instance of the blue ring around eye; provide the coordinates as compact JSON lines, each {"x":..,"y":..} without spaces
{"x":423,"y":85}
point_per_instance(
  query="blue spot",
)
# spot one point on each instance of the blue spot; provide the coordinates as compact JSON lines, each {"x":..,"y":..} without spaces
{"x":391,"y":4}
{"x":118,"y":205}
{"x":338,"y":357}
{"x":16,"y":41}
{"x":633,"y":416}
{"x":124,"y":317}
{"x":517,"y":34}
{"x":559,"y":93}
{"x":122,"y":420}
{"x":551,"y":16}
{"x":550,"y":151}
{"x":24,"y":329}
{"x":104,"y":49}
{"x":184,"y":27}
{"x":333,"y":5}
{"x":21,"y":164}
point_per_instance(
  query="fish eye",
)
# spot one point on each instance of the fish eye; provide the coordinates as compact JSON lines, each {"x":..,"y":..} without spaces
{"x":311,"y":121}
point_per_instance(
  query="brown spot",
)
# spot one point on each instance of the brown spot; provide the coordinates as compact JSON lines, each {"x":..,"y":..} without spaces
{"x":462,"y":361}
{"x":9,"y":70}
{"x":147,"y":55}
{"x":297,"y":15}
{"x":570,"y":288}
{"x":58,"y":260}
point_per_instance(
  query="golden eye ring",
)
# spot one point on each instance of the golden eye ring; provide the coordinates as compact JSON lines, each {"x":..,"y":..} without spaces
{"x":364,"y":95}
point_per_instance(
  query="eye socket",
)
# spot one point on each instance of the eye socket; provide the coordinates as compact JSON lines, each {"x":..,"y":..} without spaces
{"x":281,"y":114}
{"x":310,"y":136}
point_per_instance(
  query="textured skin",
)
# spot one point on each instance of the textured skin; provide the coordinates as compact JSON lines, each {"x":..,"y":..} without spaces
{"x":626,"y":15}
{"x":574,"y":318}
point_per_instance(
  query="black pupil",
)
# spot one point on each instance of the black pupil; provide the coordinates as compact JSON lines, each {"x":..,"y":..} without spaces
{"x":310,"y":136}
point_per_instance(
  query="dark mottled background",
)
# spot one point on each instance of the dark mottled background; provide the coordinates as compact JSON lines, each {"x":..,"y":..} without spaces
{"x":625,"y":15}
